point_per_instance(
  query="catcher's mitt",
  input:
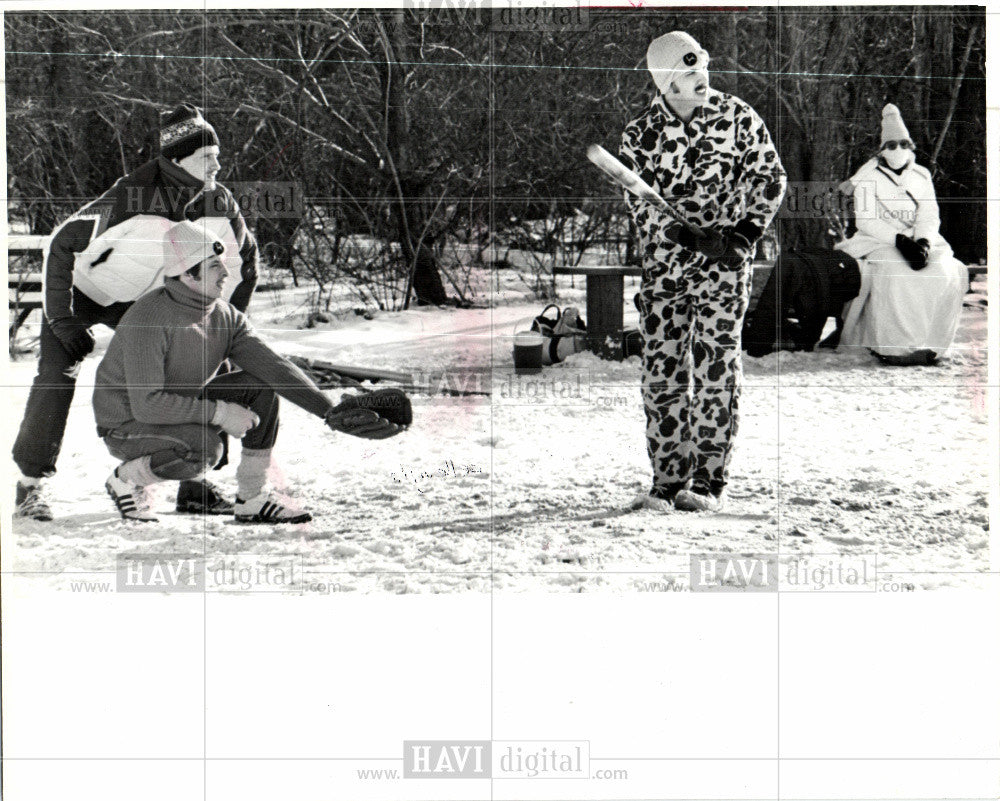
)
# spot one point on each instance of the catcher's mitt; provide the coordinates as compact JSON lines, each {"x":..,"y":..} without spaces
{"x":375,"y":415}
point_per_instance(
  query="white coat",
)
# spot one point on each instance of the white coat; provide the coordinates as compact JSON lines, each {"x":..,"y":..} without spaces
{"x":899,"y":310}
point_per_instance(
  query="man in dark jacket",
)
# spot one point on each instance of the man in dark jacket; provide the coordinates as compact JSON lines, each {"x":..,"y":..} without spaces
{"x":179,"y":185}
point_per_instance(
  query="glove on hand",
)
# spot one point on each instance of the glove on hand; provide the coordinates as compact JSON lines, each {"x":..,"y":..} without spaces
{"x":234,"y":419}
{"x":915,"y":253}
{"x":392,"y":404}
{"x":376,"y":415}
{"x":75,"y":337}
{"x":727,"y":247}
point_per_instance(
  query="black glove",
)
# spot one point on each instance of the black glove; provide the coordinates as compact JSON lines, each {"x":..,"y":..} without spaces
{"x":375,"y":415}
{"x":390,"y":403}
{"x":727,"y":247}
{"x":915,"y":252}
{"x":361,"y":423}
{"x":75,"y":337}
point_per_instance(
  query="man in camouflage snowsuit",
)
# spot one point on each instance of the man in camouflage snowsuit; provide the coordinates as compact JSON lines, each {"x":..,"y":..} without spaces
{"x":709,"y":155}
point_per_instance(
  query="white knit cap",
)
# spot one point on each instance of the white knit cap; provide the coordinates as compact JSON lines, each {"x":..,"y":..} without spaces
{"x":186,"y":244}
{"x":672,"y":54}
{"x":893,"y":128}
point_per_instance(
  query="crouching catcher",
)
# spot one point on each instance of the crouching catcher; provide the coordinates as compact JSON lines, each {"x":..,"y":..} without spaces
{"x":162,"y":409}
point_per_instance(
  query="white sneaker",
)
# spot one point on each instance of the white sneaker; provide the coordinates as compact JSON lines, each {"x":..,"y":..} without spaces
{"x":646,"y":501}
{"x":698,"y":500}
{"x":131,"y":500}
{"x":268,"y":507}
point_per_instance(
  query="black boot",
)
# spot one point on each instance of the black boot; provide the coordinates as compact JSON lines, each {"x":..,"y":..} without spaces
{"x":30,"y":502}
{"x":201,"y":497}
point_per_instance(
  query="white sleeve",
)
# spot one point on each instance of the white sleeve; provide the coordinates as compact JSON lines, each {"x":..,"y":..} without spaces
{"x":124,"y":262}
{"x":928,"y":218}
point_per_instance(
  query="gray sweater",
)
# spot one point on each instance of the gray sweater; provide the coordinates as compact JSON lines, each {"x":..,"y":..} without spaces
{"x":169,"y":344}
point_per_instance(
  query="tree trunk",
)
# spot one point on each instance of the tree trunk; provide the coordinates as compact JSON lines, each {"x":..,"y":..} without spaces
{"x":923,"y":66}
{"x":425,"y":277}
{"x":953,"y":101}
{"x":811,"y":155}
{"x":771,"y":110}
{"x":828,"y":139}
{"x":151,"y":144}
{"x":731,"y":46}
{"x":793,"y":144}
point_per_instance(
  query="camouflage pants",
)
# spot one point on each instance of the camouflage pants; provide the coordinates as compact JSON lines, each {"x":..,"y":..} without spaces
{"x":691,"y":319}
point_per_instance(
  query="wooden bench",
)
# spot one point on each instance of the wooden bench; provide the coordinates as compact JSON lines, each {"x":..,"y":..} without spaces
{"x":605,"y":307}
{"x":24,"y":287}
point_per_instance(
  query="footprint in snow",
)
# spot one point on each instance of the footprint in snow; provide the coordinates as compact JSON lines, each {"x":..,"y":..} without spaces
{"x":846,"y":540}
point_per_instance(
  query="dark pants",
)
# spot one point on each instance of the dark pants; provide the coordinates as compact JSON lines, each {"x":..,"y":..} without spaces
{"x":182,"y":452}
{"x":40,"y":436}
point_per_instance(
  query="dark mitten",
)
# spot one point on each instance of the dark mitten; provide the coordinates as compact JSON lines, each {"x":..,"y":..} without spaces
{"x":686,"y":238}
{"x":75,"y":337}
{"x":361,"y":423}
{"x":728,"y":247}
{"x":390,"y":403}
{"x":374,"y":415}
{"x":736,"y":251}
{"x":925,"y":250}
{"x":914,"y":252}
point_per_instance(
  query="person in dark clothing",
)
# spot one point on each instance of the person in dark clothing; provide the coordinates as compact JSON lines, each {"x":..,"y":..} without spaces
{"x":805,"y":288}
{"x":180,"y":184}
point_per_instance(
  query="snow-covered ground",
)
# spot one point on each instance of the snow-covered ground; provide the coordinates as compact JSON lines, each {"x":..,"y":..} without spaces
{"x":838,"y":458}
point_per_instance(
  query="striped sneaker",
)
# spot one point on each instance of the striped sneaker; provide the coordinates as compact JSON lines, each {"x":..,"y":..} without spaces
{"x":267,"y":507}
{"x":131,"y":500}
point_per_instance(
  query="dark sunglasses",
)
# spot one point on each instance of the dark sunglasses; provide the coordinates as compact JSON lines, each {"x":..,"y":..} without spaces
{"x":905,"y":144}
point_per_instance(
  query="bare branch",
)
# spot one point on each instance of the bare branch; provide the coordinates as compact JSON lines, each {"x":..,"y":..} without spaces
{"x":352,"y":157}
{"x":953,"y":102}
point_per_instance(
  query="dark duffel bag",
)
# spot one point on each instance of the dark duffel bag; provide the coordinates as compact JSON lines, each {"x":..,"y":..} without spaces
{"x":564,"y":334}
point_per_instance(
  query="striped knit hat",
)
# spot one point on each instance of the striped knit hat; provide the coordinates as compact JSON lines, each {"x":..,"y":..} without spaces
{"x":183,"y":131}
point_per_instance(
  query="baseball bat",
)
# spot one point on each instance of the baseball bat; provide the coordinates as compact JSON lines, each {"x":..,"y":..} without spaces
{"x":631,"y":182}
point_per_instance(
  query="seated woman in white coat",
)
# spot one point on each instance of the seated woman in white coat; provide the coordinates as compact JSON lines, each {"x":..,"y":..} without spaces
{"x":908,"y":309}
